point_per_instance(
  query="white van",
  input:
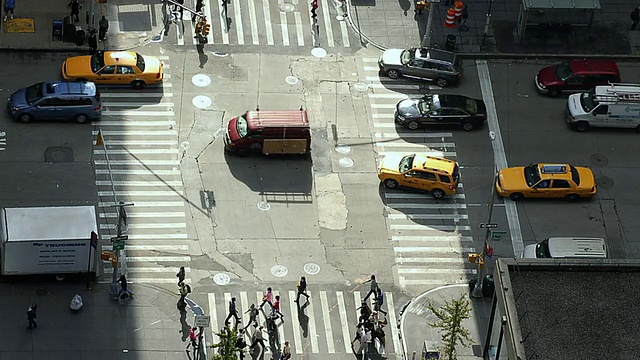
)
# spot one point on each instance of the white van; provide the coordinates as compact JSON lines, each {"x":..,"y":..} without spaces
{"x":614,"y":105}
{"x":567,"y":247}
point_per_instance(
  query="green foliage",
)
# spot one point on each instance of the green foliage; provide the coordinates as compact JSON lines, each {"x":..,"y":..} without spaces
{"x":450,"y":317}
{"x":227,"y":346}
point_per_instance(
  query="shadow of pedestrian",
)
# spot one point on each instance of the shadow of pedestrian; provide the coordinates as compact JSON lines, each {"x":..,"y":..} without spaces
{"x":185,"y":327}
{"x":303,"y":319}
{"x":202,"y":57}
{"x":405,"y":5}
{"x":421,"y":21}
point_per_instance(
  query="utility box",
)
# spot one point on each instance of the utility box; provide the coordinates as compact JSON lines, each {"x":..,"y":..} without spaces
{"x":56,"y":30}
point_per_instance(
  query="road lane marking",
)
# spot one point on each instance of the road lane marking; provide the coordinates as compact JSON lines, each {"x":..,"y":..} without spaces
{"x":146,"y":226}
{"x":345,"y":34}
{"x":299,"y":30}
{"x":297,"y":339}
{"x":214,"y":316}
{"x":327,"y":23}
{"x":344,"y":322}
{"x":393,"y":321}
{"x":138,"y":205}
{"x":254,"y":23}
{"x":132,"y":214}
{"x":285,"y":29}
{"x":267,"y":22}
{"x":437,"y":249}
{"x":238,"y":14}
{"x":327,"y":322}
{"x":313,"y":334}
{"x":433,"y":238}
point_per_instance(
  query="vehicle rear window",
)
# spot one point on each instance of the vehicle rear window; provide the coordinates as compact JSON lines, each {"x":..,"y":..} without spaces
{"x":542,"y":250}
{"x":458,"y":65}
{"x":97,"y":61}
{"x":444,"y":178}
{"x":575,"y":176}
{"x":140,"y":62}
{"x":242,"y":127}
{"x":34,"y":93}
{"x":531,"y":174}
{"x":456,"y":173}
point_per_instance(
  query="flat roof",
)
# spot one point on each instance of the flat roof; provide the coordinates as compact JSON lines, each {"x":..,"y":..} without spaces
{"x":562,"y":4}
{"x":50,"y":223}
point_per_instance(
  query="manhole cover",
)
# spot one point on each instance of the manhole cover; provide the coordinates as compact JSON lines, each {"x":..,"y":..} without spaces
{"x":291,"y":80}
{"x":185,"y":145}
{"x":264,"y":206}
{"x":361,"y":87}
{"x":201,"y":80}
{"x":42,"y":292}
{"x":221,"y":279}
{"x":599,"y":160}
{"x":220,"y":53}
{"x":319,"y":52}
{"x":58,"y":154}
{"x":346,"y":162}
{"x":287,"y":7}
{"x":343,"y":149}
{"x":311,"y":268}
{"x":201,"y":101}
{"x":604,"y":182}
{"x":279,"y":270}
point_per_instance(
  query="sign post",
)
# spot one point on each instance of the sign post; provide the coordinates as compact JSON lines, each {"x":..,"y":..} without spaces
{"x":94,"y":245}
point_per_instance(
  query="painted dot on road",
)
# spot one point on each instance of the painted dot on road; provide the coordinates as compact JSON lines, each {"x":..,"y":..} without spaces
{"x":264,"y":206}
{"x":201,"y":80}
{"x":319,"y":52}
{"x":220,"y":53}
{"x":221,"y":279}
{"x":287,"y":7}
{"x":362,"y":87}
{"x":201,"y":101}
{"x":311,"y":268}
{"x":279,"y":270}
{"x":340,"y":18}
{"x":343,"y":149}
{"x":291,"y":80}
{"x":346,"y":162}
{"x":185,"y":145}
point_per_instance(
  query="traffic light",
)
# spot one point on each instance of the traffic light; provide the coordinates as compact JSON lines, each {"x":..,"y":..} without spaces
{"x":199,"y":27}
{"x":476,"y":259}
{"x":206,"y":29}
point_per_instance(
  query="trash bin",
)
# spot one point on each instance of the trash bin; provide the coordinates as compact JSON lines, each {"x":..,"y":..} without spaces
{"x":56,"y":30}
{"x":450,"y":43}
{"x":80,"y":37}
{"x":488,"y":286}
{"x":68,"y":30}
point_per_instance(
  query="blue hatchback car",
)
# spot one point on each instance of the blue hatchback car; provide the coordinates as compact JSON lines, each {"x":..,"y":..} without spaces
{"x":58,"y":100}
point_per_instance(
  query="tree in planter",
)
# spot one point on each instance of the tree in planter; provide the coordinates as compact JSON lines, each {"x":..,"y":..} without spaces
{"x":450,"y":317}
{"x":227,"y":346}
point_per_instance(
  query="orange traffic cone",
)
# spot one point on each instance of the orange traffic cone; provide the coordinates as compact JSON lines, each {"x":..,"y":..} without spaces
{"x":450,"y":20}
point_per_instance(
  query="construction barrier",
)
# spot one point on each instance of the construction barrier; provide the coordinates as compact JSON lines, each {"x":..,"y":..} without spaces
{"x":459,"y":6}
{"x":450,"y":20}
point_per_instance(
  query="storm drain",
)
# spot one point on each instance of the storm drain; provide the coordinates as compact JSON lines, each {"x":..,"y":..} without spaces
{"x":58,"y":155}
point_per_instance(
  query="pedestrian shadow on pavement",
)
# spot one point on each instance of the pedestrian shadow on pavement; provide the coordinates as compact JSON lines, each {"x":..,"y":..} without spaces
{"x":405,"y":5}
{"x":303,"y":319}
{"x":185,"y":327}
{"x":202,"y":57}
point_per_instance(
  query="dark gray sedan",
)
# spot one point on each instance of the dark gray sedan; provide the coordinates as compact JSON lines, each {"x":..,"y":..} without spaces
{"x":442,"y":67}
{"x":441,"y":109}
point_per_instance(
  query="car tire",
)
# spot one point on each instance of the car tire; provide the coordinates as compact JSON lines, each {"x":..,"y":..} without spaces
{"x":413,"y":125}
{"x":572,"y":197}
{"x":390,"y":183}
{"x":81,"y":80}
{"x":442,"y":82}
{"x":81,"y":118}
{"x":393,"y":74}
{"x":553,"y":92}
{"x":138,"y":84}
{"x":467,"y":126}
{"x":581,"y":126}
{"x":437,"y":193}
{"x":25,"y":118}
{"x":516,"y":196}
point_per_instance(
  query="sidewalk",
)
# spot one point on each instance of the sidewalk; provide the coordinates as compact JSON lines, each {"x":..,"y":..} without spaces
{"x":131,"y":24}
{"x":415,"y":330}
{"x":394,"y":24}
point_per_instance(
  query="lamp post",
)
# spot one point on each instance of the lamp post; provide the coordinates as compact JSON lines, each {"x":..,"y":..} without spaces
{"x":486,"y":24}
{"x":426,"y":39}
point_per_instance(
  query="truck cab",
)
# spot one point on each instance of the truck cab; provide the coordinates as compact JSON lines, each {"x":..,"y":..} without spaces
{"x":613,"y":105}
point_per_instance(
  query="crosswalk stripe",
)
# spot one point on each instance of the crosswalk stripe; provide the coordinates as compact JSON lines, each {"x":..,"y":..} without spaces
{"x":137,"y":113}
{"x":427,"y":217}
{"x":297,"y":339}
{"x":327,"y":321}
{"x":395,"y":205}
{"x":267,"y":21}
{"x":327,"y":22}
{"x":179,"y":259}
{"x":147,"y":226}
{"x":407,"y":195}
{"x":180,"y":34}
{"x":136,"y":133}
{"x":132,"y":214}
{"x":244,"y":302}
{"x":431,"y":260}
{"x":345,"y":34}
{"x":415,"y":270}
{"x":132,"y":183}
{"x":344,"y":321}
{"x":128,"y":95}
{"x":129,"y":123}
{"x":368,"y":59}
{"x":137,"y":105}
{"x":207,"y":5}
{"x":387,"y":96}
{"x":142,"y":193}
{"x":429,"y":227}
{"x":313,"y":334}
{"x":395,"y":333}
{"x":254,"y":23}
{"x":281,"y":334}
{"x":150,"y":236}
{"x":404,"y":281}
{"x":437,"y":250}
{"x":154,"y":248}
{"x":428,"y":238}
{"x":213,"y":315}
{"x":386,"y":85}
{"x":135,"y":270}
{"x":227,"y":300}
{"x":145,"y":204}
{"x":135,"y":151}
{"x":138,"y":162}
{"x":137,"y":172}
{"x":140,"y":142}
{"x":137,"y":280}
{"x":285,"y":28}
{"x":383,"y":106}
{"x":238,"y":14}
{"x":299,"y":30}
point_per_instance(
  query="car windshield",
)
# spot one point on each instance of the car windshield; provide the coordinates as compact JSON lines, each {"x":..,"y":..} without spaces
{"x":587,"y":101}
{"x":407,"y":55}
{"x":531,"y":174}
{"x":33,"y":93}
{"x":563,"y":70}
{"x":575,"y":176}
{"x":429,"y":103}
{"x":97,"y":61}
{"x":242,"y":126}
{"x":140,"y":62}
{"x":406,"y":163}
{"x":542,"y":250}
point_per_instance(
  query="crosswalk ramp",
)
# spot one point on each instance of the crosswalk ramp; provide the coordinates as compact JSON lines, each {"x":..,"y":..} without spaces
{"x":138,"y":130}
{"x":269,"y":23}
{"x":430,"y":238}
{"x":326,"y":325}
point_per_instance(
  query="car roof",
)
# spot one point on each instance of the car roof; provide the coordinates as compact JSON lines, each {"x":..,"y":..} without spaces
{"x":453,"y":100}
{"x":70,"y":88}
{"x":591,"y":65}
{"x":127,"y":58}
{"x":426,"y":162}
{"x":554,"y":171}
{"x":435,"y":54}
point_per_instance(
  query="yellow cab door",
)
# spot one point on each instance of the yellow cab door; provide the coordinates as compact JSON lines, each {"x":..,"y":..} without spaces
{"x":125,"y":74}
{"x":106,"y":75}
{"x":423,"y":180}
{"x":561,"y":188}
{"x":541,"y":190}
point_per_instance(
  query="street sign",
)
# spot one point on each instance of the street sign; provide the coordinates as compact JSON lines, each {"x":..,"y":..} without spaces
{"x":118,"y":245}
{"x":202,"y":320}
{"x":120,"y":238}
{"x":488,"y":226}
{"x":497,"y":234}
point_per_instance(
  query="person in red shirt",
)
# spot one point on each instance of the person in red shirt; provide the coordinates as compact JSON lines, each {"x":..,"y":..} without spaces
{"x":276,"y":310}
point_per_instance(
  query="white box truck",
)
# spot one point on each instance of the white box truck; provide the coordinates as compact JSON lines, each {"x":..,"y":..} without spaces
{"x":47,"y":240}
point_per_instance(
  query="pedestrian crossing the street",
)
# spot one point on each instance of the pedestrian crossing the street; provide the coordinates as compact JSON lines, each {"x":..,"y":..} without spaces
{"x":286,"y":23}
{"x":138,"y":130}
{"x":324,"y":325}
{"x":431,"y":238}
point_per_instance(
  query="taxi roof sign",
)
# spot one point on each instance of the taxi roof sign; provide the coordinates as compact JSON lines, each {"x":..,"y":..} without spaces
{"x":553,"y":169}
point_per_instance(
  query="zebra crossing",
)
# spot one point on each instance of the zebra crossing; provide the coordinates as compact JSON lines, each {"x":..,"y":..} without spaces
{"x":430,"y":238}
{"x":325,"y":326}
{"x":263,"y":22}
{"x":138,"y":130}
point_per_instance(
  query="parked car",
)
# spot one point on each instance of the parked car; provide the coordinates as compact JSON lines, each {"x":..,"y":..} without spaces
{"x":441,"y":109}
{"x":420,"y":171}
{"x":442,"y":67}
{"x":60,"y":100}
{"x":114,"y":67}
{"x":546,"y":181}
{"x":576,"y":75}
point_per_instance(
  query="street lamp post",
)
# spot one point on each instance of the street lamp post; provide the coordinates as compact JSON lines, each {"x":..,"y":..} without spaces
{"x":426,"y":39}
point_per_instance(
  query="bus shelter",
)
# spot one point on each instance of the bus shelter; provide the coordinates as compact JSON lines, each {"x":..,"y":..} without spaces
{"x":560,"y":13}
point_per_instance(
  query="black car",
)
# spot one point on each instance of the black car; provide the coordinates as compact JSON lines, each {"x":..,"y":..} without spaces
{"x":441,"y":109}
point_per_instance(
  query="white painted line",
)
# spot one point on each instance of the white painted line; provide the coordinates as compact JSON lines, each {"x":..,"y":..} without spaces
{"x":358,"y":301}
{"x":207,"y":5}
{"x":391,"y":308}
{"x":368,"y":59}
{"x":138,"y":162}
{"x":327,"y":322}
{"x":180,"y":33}
{"x":372,"y":68}
{"x":281,"y":334}
{"x":313,"y":334}
{"x":154,"y":248}
{"x":138,"y":105}
{"x":163,"y":57}
{"x":128,"y":123}
{"x":145,"y":204}
{"x":136,"y":280}
{"x":344,"y":321}
{"x":137,"y":113}
{"x":134,"y":270}
{"x":285,"y":28}
{"x":327,"y":22}
{"x":498,"y":152}
{"x":149,"y":236}
{"x":261,"y":317}
{"x":428,"y":238}
{"x":420,"y":227}
{"x":244,"y":302}
{"x":223,"y":23}
{"x":267,"y":22}
{"x":410,"y":134}
{"x":404,"y":281}
{"x":394,"y":205}
{"x":432,"y":260}
{"x":299,"y":30}
{"x":178,"y":259}
{"x":132,"y":183}
{"x":129,"y":95}
{"x":297,"y":339}
{"x":137,"y":172}
{"x":238,"y":14}
{"x":141,"y":142}
{"x":383,"y":106}
{"x":387,"y":96}
{"x":437,"y":250}
{"x":389,"y":86}
{"x":227,"y":300}
{"x":136,"y":151}
{"x":414,"y":270}
{"x":426,"y":217}
{"x":214,"y":316}
{"x":254,"y":23}
{"x":345,"y":34}
{"x":398,"y":195}
{"x":132,"y":214}
{"x":147,"y":226}
{"x":429,"y":153}
{"x":136,"y":133}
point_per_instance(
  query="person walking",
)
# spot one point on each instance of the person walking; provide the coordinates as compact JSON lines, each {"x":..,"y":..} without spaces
{"x":180,"y":274}
{"x":372,"y":289}
{"x":9,"y":6}
{"x":253,"y":316}
{"x":462,"y":24}
{"x":75,"y":10}
{"x":232,"y":312}
{"x":178,"y":10}
{"x":258,"y":338}
{"x":275,"y":314}
{"x":286,"y":351}
{"x":193,"y":339}
{"x":379,"y":301}
{"x":103,"y":27}
{"x":302,"y":289}
{"x":124,"y":288}
{"x":635,"y":16}
{"x":185,"y":289}
{"x":267,"y":298}
{"x":241,"y":344}
{"x":32,"y":316}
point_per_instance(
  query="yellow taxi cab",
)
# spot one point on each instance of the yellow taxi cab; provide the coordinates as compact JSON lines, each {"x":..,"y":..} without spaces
{"x":114,"y":67}
{"x":420,"y":171}
{"x":546,"y":181}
